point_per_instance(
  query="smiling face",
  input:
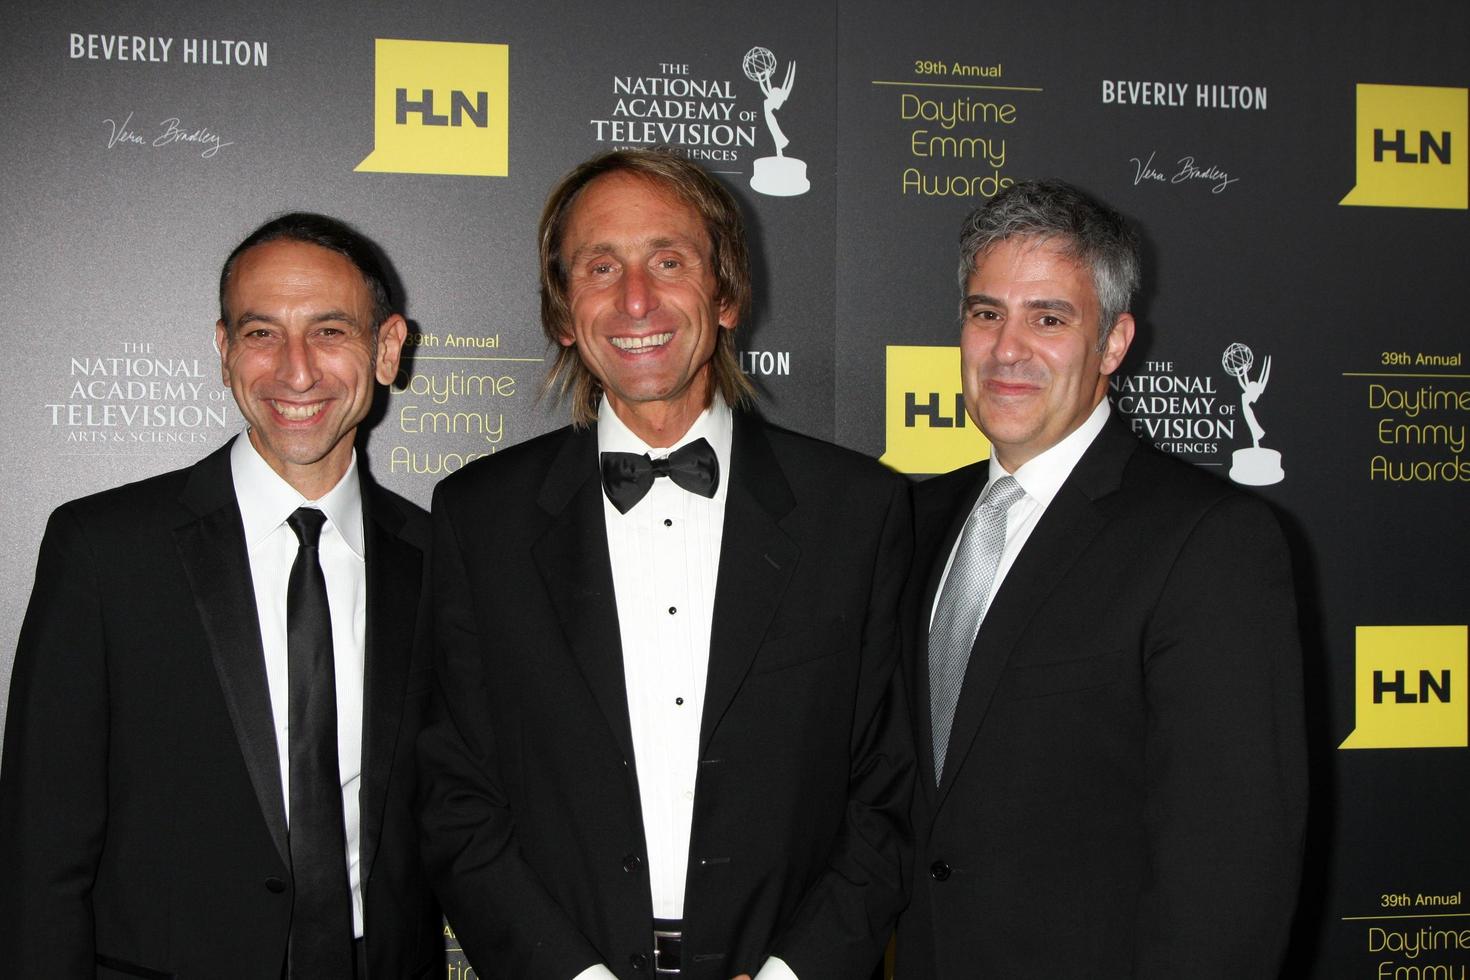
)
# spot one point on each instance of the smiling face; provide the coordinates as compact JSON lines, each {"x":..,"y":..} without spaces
{"x":642,"y":293}
{"x":1032,"y":372}
{"x":301,"y":357}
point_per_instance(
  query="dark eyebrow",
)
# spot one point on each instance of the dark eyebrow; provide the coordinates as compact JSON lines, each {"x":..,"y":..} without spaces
{"x":1056,"y":305}
{"x":246,"y":318}
{"x":981,"y":299}
{"x":328,"y":315}
{"x":325,"y":316}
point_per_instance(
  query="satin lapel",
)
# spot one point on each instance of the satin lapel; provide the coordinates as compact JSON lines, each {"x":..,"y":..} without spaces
{"x":1061,"y":536}
{"x":757,"y":559}
{"x":573,"y":560}
{"x":212,"y":549}
{"x":940,"y":513}
{"x":394,"y":578}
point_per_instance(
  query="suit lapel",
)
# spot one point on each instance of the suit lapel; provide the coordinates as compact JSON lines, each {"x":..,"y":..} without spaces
{"x":573,"y":561}
{"x":757,"y":559}
{"x":394,"y":577}
{"x":212,"y":549}
{"x":756,"y":562}
{"x":1064,"y":532}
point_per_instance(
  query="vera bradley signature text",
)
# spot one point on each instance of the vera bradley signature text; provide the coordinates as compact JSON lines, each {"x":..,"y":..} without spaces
{"x":1185,"y":170}
{"x":169,"y":132}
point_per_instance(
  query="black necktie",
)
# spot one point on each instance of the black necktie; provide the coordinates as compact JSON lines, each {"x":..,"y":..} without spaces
{"x":626,"y":477}
{"x":321,"y":918}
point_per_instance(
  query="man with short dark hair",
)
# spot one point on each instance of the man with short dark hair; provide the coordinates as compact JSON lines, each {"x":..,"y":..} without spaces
{"x":671,"y":739}
{"x":1107,"y":690}
{"x":209,"y":754}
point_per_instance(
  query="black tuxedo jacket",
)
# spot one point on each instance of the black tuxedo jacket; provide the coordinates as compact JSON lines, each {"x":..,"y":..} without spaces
{"x":1124,"y":789}
{"x":142,"y":826}
{"x":533,"y":830}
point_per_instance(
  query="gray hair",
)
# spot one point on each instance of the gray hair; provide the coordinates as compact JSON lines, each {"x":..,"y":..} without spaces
{"x":1086,"y":230}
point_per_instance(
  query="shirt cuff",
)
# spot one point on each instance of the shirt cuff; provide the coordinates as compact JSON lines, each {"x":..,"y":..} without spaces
{"x":598,"y":972}
{"x":775,"y":968}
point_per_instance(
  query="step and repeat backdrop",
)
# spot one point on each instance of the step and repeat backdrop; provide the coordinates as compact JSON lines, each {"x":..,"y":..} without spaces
{"x":1298,"y":171}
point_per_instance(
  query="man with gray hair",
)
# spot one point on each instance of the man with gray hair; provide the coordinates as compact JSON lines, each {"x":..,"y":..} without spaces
{"x":1106,"y":678}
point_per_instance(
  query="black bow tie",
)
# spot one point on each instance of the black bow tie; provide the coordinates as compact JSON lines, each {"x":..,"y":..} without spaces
{"x":626,"y":477}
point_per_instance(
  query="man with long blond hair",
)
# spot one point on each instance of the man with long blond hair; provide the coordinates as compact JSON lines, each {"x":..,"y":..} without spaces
{"x":670,"y":739}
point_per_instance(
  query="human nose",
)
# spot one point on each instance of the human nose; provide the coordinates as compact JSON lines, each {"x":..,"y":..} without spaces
{"x":1010,"y":343}
{"x":639,"y":295}
{"x":296,"y":367}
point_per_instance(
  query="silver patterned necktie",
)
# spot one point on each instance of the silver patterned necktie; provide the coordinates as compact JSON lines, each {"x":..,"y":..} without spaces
{"x":962,"y":605}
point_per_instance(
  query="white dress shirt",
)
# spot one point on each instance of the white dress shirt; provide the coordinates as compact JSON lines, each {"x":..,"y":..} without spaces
{"x":265,"y":501}
{"x":665,"y":556}
{"x":1041,"y":477}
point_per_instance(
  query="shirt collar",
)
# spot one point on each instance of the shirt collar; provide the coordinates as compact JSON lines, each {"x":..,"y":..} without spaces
{"x":1042,"y":475}
{"x":266,"y":500}
{"x":714,"y":425}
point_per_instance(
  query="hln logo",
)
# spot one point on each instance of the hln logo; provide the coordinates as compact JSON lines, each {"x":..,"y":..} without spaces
{"x":1409,"y":688}
{"x":1429,"y":145}
{"x":1406,"y":148}
{"x":440,"y":107}
{"x":929,"y":407}
{"x":924,"y":413}
{"x":1431,"y":684}
{"x":460,"y":106}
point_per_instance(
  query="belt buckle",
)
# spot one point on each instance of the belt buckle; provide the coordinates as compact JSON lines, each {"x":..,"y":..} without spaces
{"x":667,"y":950}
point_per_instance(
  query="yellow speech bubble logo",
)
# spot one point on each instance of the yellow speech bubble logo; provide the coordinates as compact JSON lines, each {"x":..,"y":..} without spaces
{"x":927,"y":430}
{"x":1410,"y":688}
{"x":440,"y":107}
{"x":1411,"y":147}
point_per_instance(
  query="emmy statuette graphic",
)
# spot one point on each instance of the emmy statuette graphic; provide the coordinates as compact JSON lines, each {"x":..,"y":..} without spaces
{"x":1256,"y":465}
{"x":780,"y":175}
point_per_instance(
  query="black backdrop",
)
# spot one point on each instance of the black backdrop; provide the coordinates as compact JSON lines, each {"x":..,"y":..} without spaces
{"x":1300,"y":176}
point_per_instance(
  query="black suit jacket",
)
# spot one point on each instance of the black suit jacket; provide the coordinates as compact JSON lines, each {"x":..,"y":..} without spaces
{"x":1124,"y":788}
{"x":533,"y":830}
{"x":142,"y":826}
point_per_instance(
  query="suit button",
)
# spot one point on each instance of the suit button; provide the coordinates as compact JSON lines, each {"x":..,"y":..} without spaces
{"x":638,"y":962}
{"x":632,"y":863}
{"x":274,"y":884}
{"x":939,"y":871}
